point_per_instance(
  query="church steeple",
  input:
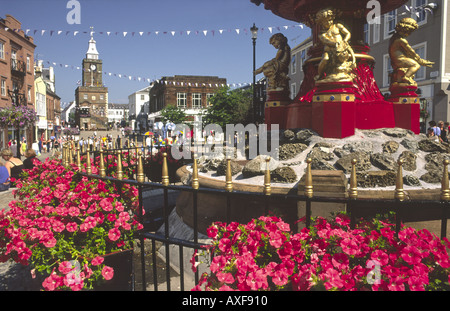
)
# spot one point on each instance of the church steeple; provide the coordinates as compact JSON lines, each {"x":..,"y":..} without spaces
{"x":92,"y":52}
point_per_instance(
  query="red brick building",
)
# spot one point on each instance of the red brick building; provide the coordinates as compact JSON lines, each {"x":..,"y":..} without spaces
{"x":16,"y":71}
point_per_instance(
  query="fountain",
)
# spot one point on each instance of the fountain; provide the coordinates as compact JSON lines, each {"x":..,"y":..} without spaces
{"x":339,"y":113}
{"x":339,"y":93}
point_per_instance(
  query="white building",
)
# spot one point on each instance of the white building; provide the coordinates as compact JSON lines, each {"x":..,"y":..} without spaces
{"x":117,"y":113}
{"x":139,"y":101}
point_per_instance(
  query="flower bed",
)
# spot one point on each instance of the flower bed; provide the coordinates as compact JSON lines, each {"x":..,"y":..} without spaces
{"x":62,"y":224}
{"x":265,"y":255}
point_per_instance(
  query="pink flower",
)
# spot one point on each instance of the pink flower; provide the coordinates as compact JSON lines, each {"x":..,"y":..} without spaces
{"x":65,"y":267}
{"x":225,"y":277}
{"x":71,"y":226}
{"x":114,"y":234}
{"x":108,"y":272}
{"x":97,"y":261}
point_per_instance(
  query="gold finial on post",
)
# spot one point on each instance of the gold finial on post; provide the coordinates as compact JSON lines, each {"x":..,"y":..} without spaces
{"x":78,"y":157}
{"x":228,"y":177}
{"x":119,"y":165}
{"x":165,"y":171}
{"x":195,"y":183}
{"x":102,"y":164}
{"x":445,"y":191}
{"x":70,"y":153}
{"x":88,"y":163}
{"x":140,"y":177}
{"x":399,"y":192}
{"x":353,"y":191}
{"x":63,"y":155}
{"x":267,"y":186}
{"x":308,"y":179}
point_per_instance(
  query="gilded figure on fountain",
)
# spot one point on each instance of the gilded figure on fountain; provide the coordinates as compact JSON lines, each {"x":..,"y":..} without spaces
{"x":276,"y":70}
{"x":338,"y":59}
{"x":404,"y":60}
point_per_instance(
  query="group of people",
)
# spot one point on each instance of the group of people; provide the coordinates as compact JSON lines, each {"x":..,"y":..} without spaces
{"x":438,"y":132}
{"x":11,"y":170}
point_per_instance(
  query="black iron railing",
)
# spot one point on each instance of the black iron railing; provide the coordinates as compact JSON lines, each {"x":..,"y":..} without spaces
{"x":405,"y":210}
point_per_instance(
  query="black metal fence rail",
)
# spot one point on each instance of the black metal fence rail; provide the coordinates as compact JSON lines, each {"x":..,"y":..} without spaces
{"x":405,"y":210}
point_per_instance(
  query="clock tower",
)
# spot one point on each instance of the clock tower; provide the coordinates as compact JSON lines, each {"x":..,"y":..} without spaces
{"x":92,"y":96}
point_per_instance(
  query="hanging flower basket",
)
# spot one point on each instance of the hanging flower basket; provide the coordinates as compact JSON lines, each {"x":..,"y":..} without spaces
{"x":17,"y":116}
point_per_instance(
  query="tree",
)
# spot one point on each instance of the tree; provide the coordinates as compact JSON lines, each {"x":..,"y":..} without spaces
{"x":173,"y":114}
{"x":229,"y":107}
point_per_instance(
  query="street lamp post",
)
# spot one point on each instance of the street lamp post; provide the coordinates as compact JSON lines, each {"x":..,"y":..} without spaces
{"x":254,"y":31}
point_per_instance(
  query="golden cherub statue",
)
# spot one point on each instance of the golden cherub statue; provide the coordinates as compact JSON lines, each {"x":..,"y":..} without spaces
{"x":276,"y":70}
{"x":338,"y":59}
{"x":404,"y":60}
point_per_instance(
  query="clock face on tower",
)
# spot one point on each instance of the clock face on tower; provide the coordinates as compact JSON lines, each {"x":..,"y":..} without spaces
{"x":93,"y":67}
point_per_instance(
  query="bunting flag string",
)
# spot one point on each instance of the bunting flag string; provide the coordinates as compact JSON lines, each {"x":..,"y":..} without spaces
{"x":238,"y":31}
{"x":151,"y":81}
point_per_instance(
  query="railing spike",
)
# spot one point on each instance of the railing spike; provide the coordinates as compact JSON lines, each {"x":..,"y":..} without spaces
{"x":119,"y":165}
{"x":140,"y":177}
{"x":267,"y":186}
{"x":308,"y":179}
{"x":399,"y":192}
{"x":195,"y":183}
{"x":165,"y":171}
{"x":88,"y":163}
{"x":102,"y":164}
{"x":445,"y":191}
{"x":228,"y":177}
{"x":353,"y":191}
{"x":78,"y":157}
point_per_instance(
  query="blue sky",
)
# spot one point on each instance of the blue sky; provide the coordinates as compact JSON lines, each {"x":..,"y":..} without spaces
{"x":150,"y":56}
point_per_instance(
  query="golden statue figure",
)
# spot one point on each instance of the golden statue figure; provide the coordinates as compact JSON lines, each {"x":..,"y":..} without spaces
{"x":338,"y":59}
{"x":276,"y":70}
{"x":404,"y":60}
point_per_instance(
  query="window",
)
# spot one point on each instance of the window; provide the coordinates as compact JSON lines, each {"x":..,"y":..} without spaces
{"x":196,"y":100}
{"x":387,"y":69}
{"x":293,"y":90}
{"x":181,"y":100}
{"x":3,"y":87}
{"x":294,"y":64}
{"x":29,"y":93}
{"x":421,"y":51}
{"x":93,"y":97}
{"x":102,"y":97}
{"x":85,"y":96}
{"x":28,"y":62}
{"x":376,"y":32}
{"x":142,"y":97}
{"x":2,"y":50}
{"x":366,"y":33}
{"x":419,"y":14}
{"x":390,"y":21}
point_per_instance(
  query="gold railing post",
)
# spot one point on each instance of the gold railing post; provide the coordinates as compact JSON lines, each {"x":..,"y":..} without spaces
{"x":88,"y":163}
{"x":195,"y":183}
{"x":228,"y":177}
{"x":445,"y":191}
{"x":70,"y":153}
{"x":63,"y":154}
{"x":102,"y":164}
{"x":140,"y":177}
{"x":399,"y":192}
{"x":78,"y":157}
{"x":267,"y":186}
{"x":308,"y":179}
{"x":165,"y":171}
{"x":119,"y":165}
{"x":353,"y":191}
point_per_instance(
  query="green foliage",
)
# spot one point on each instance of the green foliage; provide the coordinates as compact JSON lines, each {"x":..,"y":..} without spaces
{"x":229,"y":107}
{"x":173,"y":114}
